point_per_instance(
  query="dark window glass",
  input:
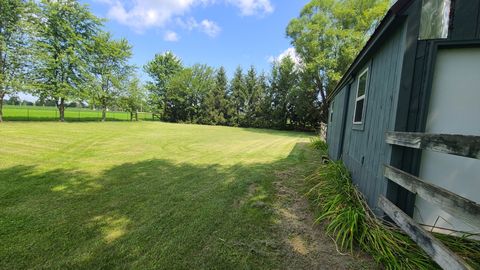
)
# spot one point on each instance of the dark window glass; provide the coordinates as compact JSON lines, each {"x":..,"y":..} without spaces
{"x":362,"y":84}
{"x":359,"y":111}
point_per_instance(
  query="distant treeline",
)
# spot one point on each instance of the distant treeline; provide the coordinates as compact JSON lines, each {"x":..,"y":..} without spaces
{"x":204,"y":95}
{"x":59,"y":52}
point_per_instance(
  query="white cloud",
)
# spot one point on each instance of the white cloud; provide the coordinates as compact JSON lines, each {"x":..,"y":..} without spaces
{"x":253,"y":7}
{"x":144,"y":14}
{"x":171,"y":36}
{"x":290,"y":52}
{"x":210,"y":28}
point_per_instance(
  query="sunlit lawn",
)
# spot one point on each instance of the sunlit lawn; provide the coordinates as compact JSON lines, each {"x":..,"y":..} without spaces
{"x":143,"y":195}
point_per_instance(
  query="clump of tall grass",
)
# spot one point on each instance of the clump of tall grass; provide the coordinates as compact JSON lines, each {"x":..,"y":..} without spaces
{"x":319,"y":144}
{"x":463,"y":246}
{"x":351,"y":221}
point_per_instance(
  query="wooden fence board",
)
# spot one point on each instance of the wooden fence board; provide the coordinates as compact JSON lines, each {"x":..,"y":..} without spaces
{"x":456,"y":205}
{"x":460,"y":145}
{"x":433,"y":247}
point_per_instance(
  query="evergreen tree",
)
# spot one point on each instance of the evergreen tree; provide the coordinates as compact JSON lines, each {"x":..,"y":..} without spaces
{"x":216,"y":102}
{"x":237,"y":87}
{"x":284,"y":80}
{"x":263,"y":106}
{"x":250,"y":97}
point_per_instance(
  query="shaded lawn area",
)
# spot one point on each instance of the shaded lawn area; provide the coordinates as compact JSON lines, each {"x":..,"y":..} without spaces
{"x":143,"y":195}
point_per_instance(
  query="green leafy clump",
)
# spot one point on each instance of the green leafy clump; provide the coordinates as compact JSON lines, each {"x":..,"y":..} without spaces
{"x":352,"y":222}
{"x":319,"y":144}
{"x":463,"y":246}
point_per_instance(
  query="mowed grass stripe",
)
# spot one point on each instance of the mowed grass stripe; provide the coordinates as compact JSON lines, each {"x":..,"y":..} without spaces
{"x":142,"y":195}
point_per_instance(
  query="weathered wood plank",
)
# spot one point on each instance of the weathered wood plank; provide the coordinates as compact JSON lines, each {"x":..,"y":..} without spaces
{"x":457,"y":206}
{"x":460,"y":145}
{"x":433,"y":247}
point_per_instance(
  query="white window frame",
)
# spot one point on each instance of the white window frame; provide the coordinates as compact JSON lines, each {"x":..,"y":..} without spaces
{"x":357,"y":98}
{"x":331,"y":111}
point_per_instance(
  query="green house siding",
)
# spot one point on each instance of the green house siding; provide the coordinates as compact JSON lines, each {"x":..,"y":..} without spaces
{"x":364,"y":150}
{"x":336,"y":125}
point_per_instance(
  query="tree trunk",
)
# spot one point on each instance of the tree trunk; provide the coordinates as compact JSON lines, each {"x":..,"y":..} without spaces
{"x":1,"y":107}
{"x":104,"y":113}
{"x":61,"y":109}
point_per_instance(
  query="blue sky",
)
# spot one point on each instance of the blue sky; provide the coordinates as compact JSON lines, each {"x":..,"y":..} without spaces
{"x":213,"y":32}
{"x":225,"y":33}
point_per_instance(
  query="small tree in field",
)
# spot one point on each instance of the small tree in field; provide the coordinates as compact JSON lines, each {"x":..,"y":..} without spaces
{"x":109,"y":67}
{"x":14,"y":31}
{"x":64,"y":32}
{"x":133,"y":98}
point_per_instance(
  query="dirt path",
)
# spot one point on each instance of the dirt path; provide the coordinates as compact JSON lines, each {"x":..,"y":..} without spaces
{"x":305,"y":244}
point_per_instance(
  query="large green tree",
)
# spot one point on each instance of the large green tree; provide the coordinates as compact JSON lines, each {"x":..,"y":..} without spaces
{"x":328,"y":35}
{"x":109,"y":68}
{"x":186,"y":93}
{"x":64,"y":32}
{"x":161,"y":70}
{"x":14,"y":41}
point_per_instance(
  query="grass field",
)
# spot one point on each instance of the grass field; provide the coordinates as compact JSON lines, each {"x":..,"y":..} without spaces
{"x":38,"y":113}
{"x":150,"y":195}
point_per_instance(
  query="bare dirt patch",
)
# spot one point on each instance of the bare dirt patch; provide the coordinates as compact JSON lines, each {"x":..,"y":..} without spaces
{"x":305,"y":243}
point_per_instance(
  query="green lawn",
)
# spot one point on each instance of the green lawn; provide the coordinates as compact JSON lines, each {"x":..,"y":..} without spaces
{"x":142,"y":195}
{"x":38,"y":113}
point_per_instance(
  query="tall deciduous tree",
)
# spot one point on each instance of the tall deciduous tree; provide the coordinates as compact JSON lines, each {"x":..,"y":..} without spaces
{"x":161,"y":70}
{"x":109,"y":68}
{"x":14,"y":31}
{"x":186,"y":92}
{"x":65,"y":30}
{"x":328,"y":34}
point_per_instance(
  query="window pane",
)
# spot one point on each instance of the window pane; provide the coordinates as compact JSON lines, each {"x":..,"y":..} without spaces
{"x":434,"y":19}
{"x":359,"y":111}
{"x":362,"y":84}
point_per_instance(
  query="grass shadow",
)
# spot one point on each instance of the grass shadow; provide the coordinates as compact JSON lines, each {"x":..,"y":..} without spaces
{"x":149,"y":214}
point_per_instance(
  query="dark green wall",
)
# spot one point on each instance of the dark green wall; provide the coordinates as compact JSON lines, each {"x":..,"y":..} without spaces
{"x":364,"y":149}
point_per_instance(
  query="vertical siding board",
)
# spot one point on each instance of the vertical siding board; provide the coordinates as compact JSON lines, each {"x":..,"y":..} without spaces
{"x":335,"y":127}
{"x":466,"y":12}
{"x":370,"y":142}
{"x":478,"y":21}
